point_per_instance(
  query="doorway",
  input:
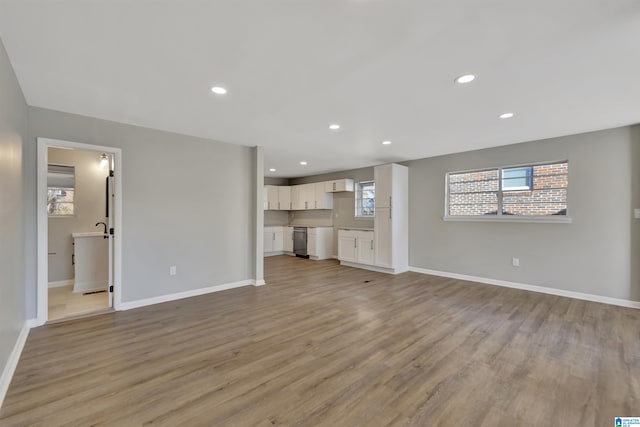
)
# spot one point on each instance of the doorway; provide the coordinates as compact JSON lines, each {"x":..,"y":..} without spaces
{"x":79,"y":210}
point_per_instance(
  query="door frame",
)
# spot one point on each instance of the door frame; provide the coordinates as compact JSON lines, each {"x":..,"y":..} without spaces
{"x":42,"y":295}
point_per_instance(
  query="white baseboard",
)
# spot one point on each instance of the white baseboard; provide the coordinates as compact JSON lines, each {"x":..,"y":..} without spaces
{"x":259,"y":283}
{"x":128,"y":305}
{"x":12,"y":362}
{"x":60,"y":283}
{"x":371,"y":267}
{"x":532,"y":288}
{"x":266,"y":254}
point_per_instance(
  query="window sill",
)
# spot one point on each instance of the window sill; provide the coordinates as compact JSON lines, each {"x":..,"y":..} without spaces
{"x":508,"y":218}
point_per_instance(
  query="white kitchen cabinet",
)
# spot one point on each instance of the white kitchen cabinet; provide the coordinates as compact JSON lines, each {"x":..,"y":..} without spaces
{"x":365,"y":247}
{"x":391,"y":232}
{"x":277,"y":198}
{"x":284,"y":198}
{"x":347,"y":245}
{"x":303,"y":197}
{"x":323,"y":199}
{"x":339,"y":185}
{"x":270,"y":197}
{"x":273,"y":243}
{"x":267,"y":241}
{"x":319,"y":242}
{"x":312,"y":244}
{"x":278,"y":240}
{"x":356,"y":246}
{"x":287,"y":243}
{"x":297,"y":201}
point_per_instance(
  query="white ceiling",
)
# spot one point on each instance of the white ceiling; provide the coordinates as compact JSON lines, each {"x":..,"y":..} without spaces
{"x":383,"y":69}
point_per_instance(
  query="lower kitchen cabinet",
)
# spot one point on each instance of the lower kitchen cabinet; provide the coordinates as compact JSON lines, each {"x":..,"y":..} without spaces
{"x":356,"y":246}
{"x":288,"y":239}
{"x":319,"y":242}
{"x":273,"y":241}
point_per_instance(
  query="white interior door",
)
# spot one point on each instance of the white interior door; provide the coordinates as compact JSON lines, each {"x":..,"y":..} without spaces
{"x":110,"y":195}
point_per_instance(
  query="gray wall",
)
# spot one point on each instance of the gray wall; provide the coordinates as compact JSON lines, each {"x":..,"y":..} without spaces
{"x":343,"y":214}
{"x":187,"y":202}
{"x":596,"y":254}
{"x":275,"y":181}
{"x":89,"y":209}
{"x":13,"y":128}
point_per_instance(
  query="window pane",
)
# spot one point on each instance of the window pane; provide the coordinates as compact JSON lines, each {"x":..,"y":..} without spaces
{"x":60,"y":201}
{"x":516,"y":178}
{"x":365,"y":199}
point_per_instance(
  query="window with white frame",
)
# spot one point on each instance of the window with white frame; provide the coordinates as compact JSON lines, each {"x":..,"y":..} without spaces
{"x":529,"y":191}
{"x":61,"y":183}
{"x":365,"y":199}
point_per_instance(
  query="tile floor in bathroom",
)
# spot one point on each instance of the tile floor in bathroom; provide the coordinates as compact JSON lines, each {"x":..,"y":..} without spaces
{"x":63,"y":303}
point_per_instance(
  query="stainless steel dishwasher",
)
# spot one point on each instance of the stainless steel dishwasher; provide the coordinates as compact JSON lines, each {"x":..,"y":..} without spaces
{"x":300,"y":241}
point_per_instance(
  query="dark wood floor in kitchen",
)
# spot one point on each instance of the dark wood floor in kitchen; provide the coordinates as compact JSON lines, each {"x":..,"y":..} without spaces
{"x":328,"y":345}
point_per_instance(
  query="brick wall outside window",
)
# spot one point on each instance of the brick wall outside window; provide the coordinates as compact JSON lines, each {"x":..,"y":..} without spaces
{"x":478,"y":193}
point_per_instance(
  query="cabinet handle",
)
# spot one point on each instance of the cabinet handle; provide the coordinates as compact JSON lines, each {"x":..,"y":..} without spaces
{"x":268,"y":205}
{"x":278,"y":205}
{"x":334,"y":186}
{"x":355,"y":243}
{"x":290,"y":205}
{"x":372,"y":245}
{"x":274,"y":236}
{"x":306,"y":205}
{"x":316,"y":204}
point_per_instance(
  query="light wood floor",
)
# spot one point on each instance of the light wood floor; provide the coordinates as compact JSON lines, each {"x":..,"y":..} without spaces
{"x":325,"y":345}
{"x":64,"y":303}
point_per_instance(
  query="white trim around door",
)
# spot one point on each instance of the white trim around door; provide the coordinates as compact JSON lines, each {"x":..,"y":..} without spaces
{"x":42,"y":217}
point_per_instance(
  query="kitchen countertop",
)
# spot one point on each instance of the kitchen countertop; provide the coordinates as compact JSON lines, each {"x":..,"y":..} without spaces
{"x":355,"y":228}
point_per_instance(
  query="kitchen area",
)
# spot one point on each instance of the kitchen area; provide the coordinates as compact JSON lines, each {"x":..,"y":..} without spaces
{"x":326,"y":216}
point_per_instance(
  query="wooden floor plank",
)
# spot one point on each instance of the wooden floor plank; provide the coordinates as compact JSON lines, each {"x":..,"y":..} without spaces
{"x":323,"y":344}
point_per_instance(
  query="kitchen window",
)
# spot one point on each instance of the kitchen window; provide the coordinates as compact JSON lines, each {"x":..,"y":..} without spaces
{"x":61,"y":183}
{"x":365,"y":199}
{"x":536,"y":192}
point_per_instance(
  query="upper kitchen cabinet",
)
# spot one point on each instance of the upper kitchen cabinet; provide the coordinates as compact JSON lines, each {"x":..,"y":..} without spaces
{"x":339,"y":185}
{"x":277,"y":198}
{"x":391,"y":229}
{"x":303,"y":197}
{"x":270,"y":197}
{"x":284,"y":198}
{"x":323,"y":200}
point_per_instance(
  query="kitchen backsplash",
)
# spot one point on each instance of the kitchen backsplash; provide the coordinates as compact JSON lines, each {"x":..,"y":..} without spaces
{"x":319,"y":218}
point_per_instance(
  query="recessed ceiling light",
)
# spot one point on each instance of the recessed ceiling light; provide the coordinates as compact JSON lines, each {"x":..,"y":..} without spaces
{"x":218,"y":90}
{"x":303,"y":163}
{"x":466,"y":78}
{"x":272,"y":170}
{"x":386,"y":142}
{"x":506,"y":115}
{"x":334,"y":126}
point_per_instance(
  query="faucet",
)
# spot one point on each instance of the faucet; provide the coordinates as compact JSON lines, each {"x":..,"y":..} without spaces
{"x":106,"y":234}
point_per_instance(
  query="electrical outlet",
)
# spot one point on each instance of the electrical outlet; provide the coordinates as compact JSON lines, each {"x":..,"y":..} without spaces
{"x":172,"y":270}
{"x":516,"y":262}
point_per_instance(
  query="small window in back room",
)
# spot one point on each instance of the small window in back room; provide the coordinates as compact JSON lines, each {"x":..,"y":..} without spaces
{"x":61,"y":183}
{"x":365,"y":199}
